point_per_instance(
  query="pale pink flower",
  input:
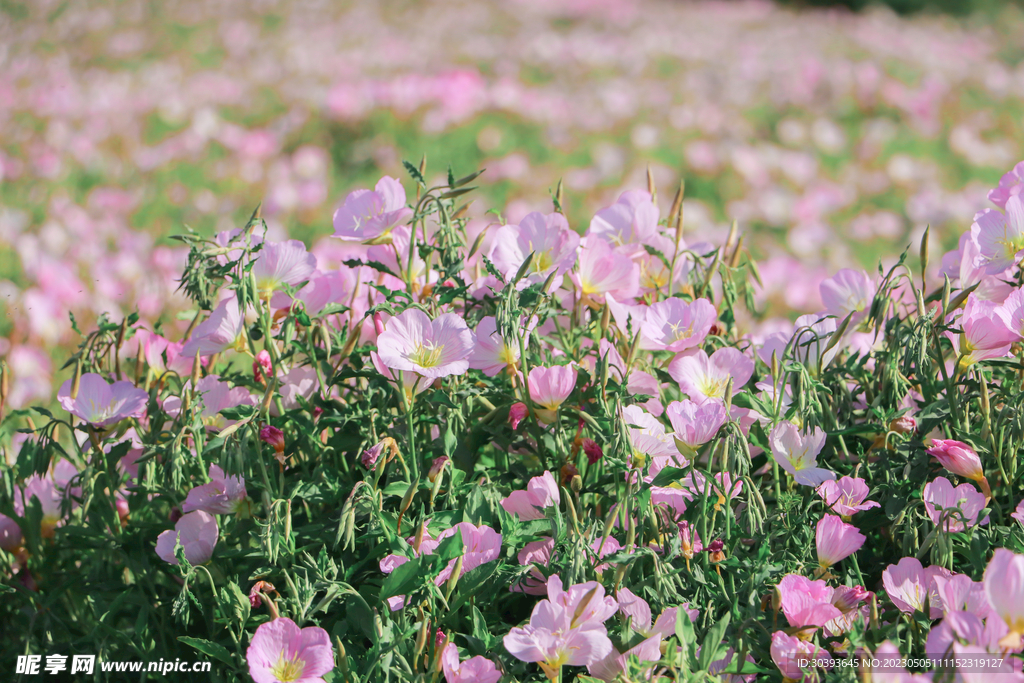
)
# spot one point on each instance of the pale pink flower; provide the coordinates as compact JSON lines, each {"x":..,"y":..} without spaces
{"x":694,"y":424}
{"x":908,"y":584}
{"x":605,"y":271}
{"x":631,"y":222}
{"x":836,"y":540}
{"x":370,"y":215}
{"x":549,"y":387}
{"x":810,"y":338}
{"x":959,"y":507}
{"x":474,"y":670}
{"x":492,"y":354}
{"x":1018,"y":514}
{"x":1001,"y":236}
{"x":846,"y":496}
{"x":959,"y":593}
{"x":806,"y":603}
{"x":218,"y":333}
{"x":613,"y":664}
{"x":281,"y":651}
{"x":788,"y":650}
{"x":1004,"y":586}
{"x":480,"y":545}
{"x":984,"y":333}
{"x":50,"y":498}
{"x":282,"y":263}
{"x":412,"y":383}
{"x":541,"y":492}
{"x":102,"y":404}
{"x":958,"y":458}
{"x":224,"y":495}
{"x":1010,"y":185}
{"x":214,"y":395}
{"x":299,"y":382}
{"x":196,"y":532}
{"x":846,"y":292}
{"x":639,"y":612}
{"x":675,"y":325}
{"x":562,"y":631}
{"x":705,"y":378}
{"x":411,"y":341}
{"x":535,"y":552}
{"x":548,"y":237}
{"x":798,"y":453}
{"x":1011,"y":311}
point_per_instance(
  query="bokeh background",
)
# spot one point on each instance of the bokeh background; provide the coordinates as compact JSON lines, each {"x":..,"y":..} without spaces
{"x":834,"y":137}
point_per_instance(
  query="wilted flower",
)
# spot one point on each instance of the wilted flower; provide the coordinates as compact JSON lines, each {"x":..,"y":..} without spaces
{"x":904,"y":424}
{"x":516,"y":414}
{"x":257,"y":591}
{"x":196,"y":532}
{"x":436,"y":467}
{"x":102,"y":404}
{"x":592,"y":450}
{"x":282,"y":652}
{"x":262,"y":367}
{"x":269,"y":434}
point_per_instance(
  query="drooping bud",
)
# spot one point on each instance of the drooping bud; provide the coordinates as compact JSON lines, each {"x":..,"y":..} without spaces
{"x":516,"y":414}
{"x":371,"y":454}
{"x":592,"y":450}
{"x":256,"y":593}
{"x":270,"y":434}
{"x":378,"y":323}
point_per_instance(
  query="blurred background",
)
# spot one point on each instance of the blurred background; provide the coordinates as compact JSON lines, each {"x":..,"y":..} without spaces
{"x":833,"y":134}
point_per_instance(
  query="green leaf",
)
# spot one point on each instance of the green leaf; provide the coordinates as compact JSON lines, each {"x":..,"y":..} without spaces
{"x":415,"y":173}
{"x":669,"y":475}
{"x":207,"y":648}
{"x":712,"y":641}
{"x":410,"y":576}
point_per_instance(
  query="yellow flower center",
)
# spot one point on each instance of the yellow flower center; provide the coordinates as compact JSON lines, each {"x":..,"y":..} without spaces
{"x":427,"y":355}
{"x":683,"y":333}
{"x":288,"y":670}
{"x":712,"y":388}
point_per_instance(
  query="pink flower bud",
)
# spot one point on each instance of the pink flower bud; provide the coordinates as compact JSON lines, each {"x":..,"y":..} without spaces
{"x":905,"y":424}
{"x":317,"y":412}
{"x":593,"y":451}
{"x":436,"y":467}
{"x":958,"y":458}
{"x":371,"y":455}
{"x":378,"y":323}
{"x":256,"y":592}
{"x":261,"y":366}
{"x":516,"y":414}
{"x":272,"y":435}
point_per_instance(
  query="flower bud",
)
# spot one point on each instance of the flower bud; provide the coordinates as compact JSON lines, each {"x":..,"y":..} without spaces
{"x":516,"y":414}
{"x":261,"y":366}
{"x":576,"y":484}
{"x":371,"y":454}
{"x":272,"y":435}
{"x":437,"y":467}
{"x":958,"y":458}
{"x":378,"y":323}
{"x":905,"y":424}
{"x":592,"y":450}
{"x":256,"y":592}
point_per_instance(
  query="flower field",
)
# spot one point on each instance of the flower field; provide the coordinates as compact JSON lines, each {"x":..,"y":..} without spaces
{"x":592,"y":340}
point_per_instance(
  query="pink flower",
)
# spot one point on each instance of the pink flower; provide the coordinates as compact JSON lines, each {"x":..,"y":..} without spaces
{"x":984,"y":333}
{"x":262,"y":368}
{"x":492,"y":354}
{"x":548,"y":237}
{"x":196,"y":532}
{"x":908,"y":584}
{"x":798,"y":453}
{"x":281,"y":651}
{"x":1000,"y":236}
{"x":958,"y":458}
{"x":102,"y":404}
{"x":836,"y":540}
{"x":474,"y":670}
{"x":846,"y":496}
{"x":1011,"y":312}
{"x":214,"y":395}
{"x":480,"y":545}
{"x":218,"y":333}
{"x":563,"y":630}
{"x":224,"y":495}
{"x":694,"y":423}
{"x":433,"y":348}
{"x":788,"y":650}
{"x":549,"y":387}
{"x":1018,"y":514}
{"x":631,"y":222}
{"x":271,"y":435}
{"x":846,"y":292}
{"x":1004,"y":586}
{"x":516,"y":413}
{"x":806,"y":603}
{"x":811,"y":336}
{"x":541,"y":492}
{"x":535,"y":552}
{"x":639,"y":613}
{"x":604,"y":271}
{"x":705,"y":378}
{"x":367,"y":216}
{"x":282,"y":263}
{"x":1010,"y":185}
{"x":954,"y":509}
{"x":675,"y":325}
{"x":50,"y":498}
{"x":613,"y":664}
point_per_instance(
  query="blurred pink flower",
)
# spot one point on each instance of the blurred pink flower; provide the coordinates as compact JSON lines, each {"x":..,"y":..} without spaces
{"x":836,"y":540}
{"x":553,"y":244}
{"x":224,"y":495}
{"x":960,"y":507}
{"x":631,"y":222}
{"x":411,"y":341}
{"x":281,"y":651}
{"x":1010,"y":185}
{"x":282,"y":263}
{"x":705,"y":378}
{"x":846,"y":496}
{"x":214,"y":395}
{"x":1004,"y":586}
{"x":798,"y":453}
{"x":10,"y":534}
{"x":1018,"y":514}
{"x":196,"y":532}
{"x":846,"y":292}
{"x":1000,"y":236}
{"x":102,"y":404}
{"x":675,"y":325}
{"x":369,"y":215}
{"x":218,"y":333}
{"x":541,"y":492}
